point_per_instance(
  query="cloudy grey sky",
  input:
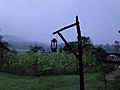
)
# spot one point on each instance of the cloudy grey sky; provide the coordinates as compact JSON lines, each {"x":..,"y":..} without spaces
{"x":37,"y":19}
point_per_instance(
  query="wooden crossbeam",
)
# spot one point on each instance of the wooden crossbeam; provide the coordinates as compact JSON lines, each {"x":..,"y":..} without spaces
{"x":69,"y":26}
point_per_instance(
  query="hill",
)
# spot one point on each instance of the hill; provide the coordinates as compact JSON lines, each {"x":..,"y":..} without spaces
{"x":21,"y":44}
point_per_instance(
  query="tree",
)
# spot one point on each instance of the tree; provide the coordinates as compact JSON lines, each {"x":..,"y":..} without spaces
{"x":36,"y":48}
{"x":99,"y":53}
{"x":100,"y":56}
{"x":3,"y":52}
{"x":86,"y":42}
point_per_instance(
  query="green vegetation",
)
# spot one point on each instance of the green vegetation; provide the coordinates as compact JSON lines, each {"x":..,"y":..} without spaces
{"x":46,"y":63}
{"x":69,"y":82}
{"x":41,"y":64}
{"x":31,"y":63}
{"x":54,"y":71}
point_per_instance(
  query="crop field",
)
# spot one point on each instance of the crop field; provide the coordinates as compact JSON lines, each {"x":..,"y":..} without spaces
{"x":24,"y":63}
{"x":41,"y":63}
{"x":48,"y":71}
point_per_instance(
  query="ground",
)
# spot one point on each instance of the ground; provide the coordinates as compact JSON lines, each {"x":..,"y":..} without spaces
{"x":113,"y":74}
{"x":63,"y":82}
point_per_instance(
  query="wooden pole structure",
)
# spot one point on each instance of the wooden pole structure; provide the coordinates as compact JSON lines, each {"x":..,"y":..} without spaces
{"x":80,"y":49}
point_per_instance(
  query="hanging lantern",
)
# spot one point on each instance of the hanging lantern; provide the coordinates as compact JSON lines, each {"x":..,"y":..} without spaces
{"x":54,"y":45}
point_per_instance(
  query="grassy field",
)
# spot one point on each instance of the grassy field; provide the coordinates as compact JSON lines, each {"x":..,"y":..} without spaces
{"x":66,"y":82}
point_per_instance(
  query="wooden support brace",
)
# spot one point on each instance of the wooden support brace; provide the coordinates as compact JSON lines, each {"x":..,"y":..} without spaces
{"x":68,"y":45}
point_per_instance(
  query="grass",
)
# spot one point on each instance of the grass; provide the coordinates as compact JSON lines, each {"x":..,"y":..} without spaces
{"x":69,"y":82}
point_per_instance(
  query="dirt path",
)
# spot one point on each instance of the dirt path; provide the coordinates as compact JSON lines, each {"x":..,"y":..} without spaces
{"x":113,"y":74}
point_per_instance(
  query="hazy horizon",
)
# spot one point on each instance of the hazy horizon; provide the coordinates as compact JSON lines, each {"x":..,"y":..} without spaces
{"x":36,"y":20}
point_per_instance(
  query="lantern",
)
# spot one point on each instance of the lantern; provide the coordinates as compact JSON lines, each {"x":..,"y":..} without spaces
{"x":54,"y":45}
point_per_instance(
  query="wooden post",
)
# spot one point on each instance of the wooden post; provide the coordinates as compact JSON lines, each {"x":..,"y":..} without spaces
{"x":80,"y":51}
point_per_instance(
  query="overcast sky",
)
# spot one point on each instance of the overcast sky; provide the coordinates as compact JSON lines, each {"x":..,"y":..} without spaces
{"x":37,"y":19}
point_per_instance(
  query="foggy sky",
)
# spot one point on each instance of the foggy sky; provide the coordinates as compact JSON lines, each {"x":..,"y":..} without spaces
{"x":36,"y":19}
